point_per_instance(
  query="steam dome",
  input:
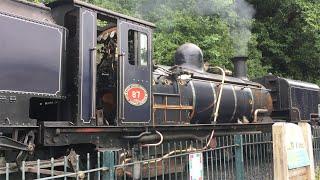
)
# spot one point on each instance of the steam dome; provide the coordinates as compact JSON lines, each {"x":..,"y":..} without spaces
{"x":189,"y":56}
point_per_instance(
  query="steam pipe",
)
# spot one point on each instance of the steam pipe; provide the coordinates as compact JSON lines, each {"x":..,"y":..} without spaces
{"x":220,"y":93}
{"x":155,"y":137}
{"x":239,"y":83}
{"x":156,"y":144}
{"x":258,"y":111}
{"x":138,"y":136}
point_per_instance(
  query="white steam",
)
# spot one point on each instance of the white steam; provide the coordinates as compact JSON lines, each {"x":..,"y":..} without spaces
{"x":238,"y":14}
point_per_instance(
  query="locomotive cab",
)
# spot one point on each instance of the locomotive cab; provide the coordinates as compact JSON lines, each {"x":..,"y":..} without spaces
{"x":109,"y":65}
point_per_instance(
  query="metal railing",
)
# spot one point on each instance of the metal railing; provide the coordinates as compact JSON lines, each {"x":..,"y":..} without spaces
{"x":316,"y":146}
{"x":240,"y":156}
{"x":63,"y":168}
{"x":237,"y":156}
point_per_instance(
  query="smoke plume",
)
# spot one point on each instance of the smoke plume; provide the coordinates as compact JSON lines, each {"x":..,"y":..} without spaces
{"x":238,"y":14}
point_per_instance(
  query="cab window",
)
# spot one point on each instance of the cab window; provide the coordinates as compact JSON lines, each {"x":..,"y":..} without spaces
{"x":137,"y":48}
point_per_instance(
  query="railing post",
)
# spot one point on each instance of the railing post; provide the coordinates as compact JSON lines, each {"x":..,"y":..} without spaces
{"x":239,"y":157}
{"x":109,"y":161}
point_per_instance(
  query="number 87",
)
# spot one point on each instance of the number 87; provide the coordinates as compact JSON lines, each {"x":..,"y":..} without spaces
{"x":136,"y":94}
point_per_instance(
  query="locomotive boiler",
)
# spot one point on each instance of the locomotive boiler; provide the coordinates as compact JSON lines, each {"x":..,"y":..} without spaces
{"x":185,"y":92}
{"x":77,"y":76}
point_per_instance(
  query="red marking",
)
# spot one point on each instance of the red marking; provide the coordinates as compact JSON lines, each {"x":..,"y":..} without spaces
{"x":136,"y":94}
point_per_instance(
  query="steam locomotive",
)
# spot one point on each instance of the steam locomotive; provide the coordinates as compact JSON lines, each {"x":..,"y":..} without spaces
{"x":76,"y":75}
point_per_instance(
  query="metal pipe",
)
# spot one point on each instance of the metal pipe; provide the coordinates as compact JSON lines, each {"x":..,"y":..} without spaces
{"x":156,"y":144}
{"x":171,"y":137}
{"x":220,"y":93}
{"x":258,"y":111}
{"x":191,"y":149}
{"x":243,"y":83}
{"x":190,"y":136}
{"x":93,"y":83}
{"x":138,"y":136}
{"x":209,"y":141}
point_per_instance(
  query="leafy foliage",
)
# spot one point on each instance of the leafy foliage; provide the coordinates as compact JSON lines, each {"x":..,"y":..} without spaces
{"x":288,"y":35}
{"x":285,"y":34}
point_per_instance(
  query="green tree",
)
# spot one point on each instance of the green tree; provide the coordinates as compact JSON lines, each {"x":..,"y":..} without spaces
{"x":288,"y":34}
{"x":184,"y":21}
{"x":285,"y":38}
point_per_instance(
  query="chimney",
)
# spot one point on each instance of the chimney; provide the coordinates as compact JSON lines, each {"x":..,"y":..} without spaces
{"x":240,"y":67}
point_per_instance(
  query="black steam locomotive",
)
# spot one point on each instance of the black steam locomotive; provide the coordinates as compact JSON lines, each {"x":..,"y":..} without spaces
{"x":73,"y":74}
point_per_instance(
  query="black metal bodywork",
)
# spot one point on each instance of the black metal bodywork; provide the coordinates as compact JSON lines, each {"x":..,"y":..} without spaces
{"x":197,"y":96}
{"x":29,"y":77}
{"x":133,"y":73}
{"x":185,"y":93}
{"x":292,"y":100}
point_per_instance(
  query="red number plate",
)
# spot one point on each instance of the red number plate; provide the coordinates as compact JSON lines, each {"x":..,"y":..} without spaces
{"x":136,"y":94}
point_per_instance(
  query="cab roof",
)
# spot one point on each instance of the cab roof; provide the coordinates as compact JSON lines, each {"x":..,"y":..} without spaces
{"x":99,"y":10}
